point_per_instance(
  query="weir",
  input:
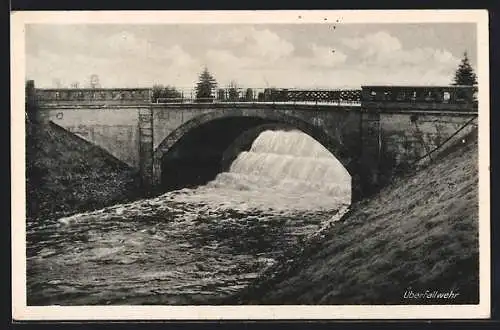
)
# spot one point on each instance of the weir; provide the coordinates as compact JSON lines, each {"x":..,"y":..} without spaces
{"x":294,"y":162}
{"x":390,"y":128}
{"x":287,"y":166}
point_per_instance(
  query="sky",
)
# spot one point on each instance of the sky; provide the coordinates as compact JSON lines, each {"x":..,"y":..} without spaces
{"x":258,"y":55}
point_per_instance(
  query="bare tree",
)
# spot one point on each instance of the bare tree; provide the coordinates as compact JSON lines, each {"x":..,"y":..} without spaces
{"x":168,"y":92}
{"x":94,"y":81}
{"x":56,"y":82}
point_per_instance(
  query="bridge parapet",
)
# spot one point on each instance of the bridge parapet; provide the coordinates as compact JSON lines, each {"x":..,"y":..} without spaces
{"x":460,"y":98}
{"x":382,"y":97}
{"x":83,"y":96}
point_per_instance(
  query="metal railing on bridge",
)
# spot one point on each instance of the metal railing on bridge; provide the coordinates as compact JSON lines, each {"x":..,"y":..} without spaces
{"x":263,"y":95}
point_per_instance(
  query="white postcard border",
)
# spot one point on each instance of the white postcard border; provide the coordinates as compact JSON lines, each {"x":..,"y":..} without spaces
{"x":20,"y":311}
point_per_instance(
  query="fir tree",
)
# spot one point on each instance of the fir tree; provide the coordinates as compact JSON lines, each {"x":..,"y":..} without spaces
{"x":249,"y":95}
{"x":464,"y":75}
{"x":233,"y":91}
{"x":205,"y":86}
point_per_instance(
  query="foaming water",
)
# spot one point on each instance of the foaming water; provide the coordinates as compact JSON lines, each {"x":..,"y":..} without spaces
{"x":191,"y":245}
{"x":283,"y":170}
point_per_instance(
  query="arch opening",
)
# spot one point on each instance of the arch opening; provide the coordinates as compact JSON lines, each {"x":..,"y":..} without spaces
{"x":195,"y":159}
{"x":231,"y":150}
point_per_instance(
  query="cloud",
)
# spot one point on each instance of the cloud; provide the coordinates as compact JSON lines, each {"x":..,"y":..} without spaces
{"x":383,"y":49}
{"x":377,"y":57}
{"x":120,"y":59}
{"x":326,"y":56}
{"x":224,"y":57}
{"x":269,"y":45}
{"x":127,"y":45}
{"x":373,"y":44}
{"x":253,"y":56}
{"x":256,"y":43}
{"x":384,"y":60}
{"x":178,"y":57}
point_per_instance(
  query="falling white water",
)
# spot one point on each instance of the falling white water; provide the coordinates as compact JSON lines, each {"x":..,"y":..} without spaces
{"x":283,"y":170}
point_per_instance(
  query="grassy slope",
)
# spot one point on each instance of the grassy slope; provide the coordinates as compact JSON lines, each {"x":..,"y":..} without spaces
{"x":421,"y":232}
{"x":66,"y":174}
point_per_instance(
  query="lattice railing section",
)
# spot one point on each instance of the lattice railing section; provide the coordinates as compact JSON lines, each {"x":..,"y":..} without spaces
{"x":288,"y":95}
{"x":333,"y":96}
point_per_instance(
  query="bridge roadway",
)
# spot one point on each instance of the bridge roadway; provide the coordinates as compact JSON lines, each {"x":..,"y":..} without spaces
{"x":176,"y":145}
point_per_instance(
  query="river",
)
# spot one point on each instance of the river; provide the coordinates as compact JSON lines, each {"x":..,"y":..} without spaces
{"x":191,"y":245}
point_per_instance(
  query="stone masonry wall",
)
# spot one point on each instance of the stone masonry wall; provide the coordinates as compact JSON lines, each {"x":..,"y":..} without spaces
{"x":116,"y":129}
{"x":409,"y":137}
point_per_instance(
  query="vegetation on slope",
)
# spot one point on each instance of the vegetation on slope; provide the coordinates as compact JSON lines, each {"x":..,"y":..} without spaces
{"x":420,"y":233}
{"x":66,"y":174}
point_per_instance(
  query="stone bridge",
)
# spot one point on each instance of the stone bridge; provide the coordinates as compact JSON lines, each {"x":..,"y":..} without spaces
{"x":178,"y":144}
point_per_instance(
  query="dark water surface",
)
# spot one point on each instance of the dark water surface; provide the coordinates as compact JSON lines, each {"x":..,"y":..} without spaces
{"x":191,"y":245}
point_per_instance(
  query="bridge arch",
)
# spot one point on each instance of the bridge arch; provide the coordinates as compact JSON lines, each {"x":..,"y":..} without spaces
{"x":255,"y":121}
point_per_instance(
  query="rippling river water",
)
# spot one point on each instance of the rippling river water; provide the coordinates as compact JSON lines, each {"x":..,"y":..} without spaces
{"x":190,"y":245}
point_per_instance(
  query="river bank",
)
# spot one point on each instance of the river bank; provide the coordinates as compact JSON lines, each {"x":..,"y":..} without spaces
{"x":65,"y":174}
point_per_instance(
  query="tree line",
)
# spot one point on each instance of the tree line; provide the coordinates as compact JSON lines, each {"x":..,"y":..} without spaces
{"x":205,"y":90}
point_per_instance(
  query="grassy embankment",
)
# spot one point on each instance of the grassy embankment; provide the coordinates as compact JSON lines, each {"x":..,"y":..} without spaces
{"x":66,"y":174}
{"x":419,"y":233}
